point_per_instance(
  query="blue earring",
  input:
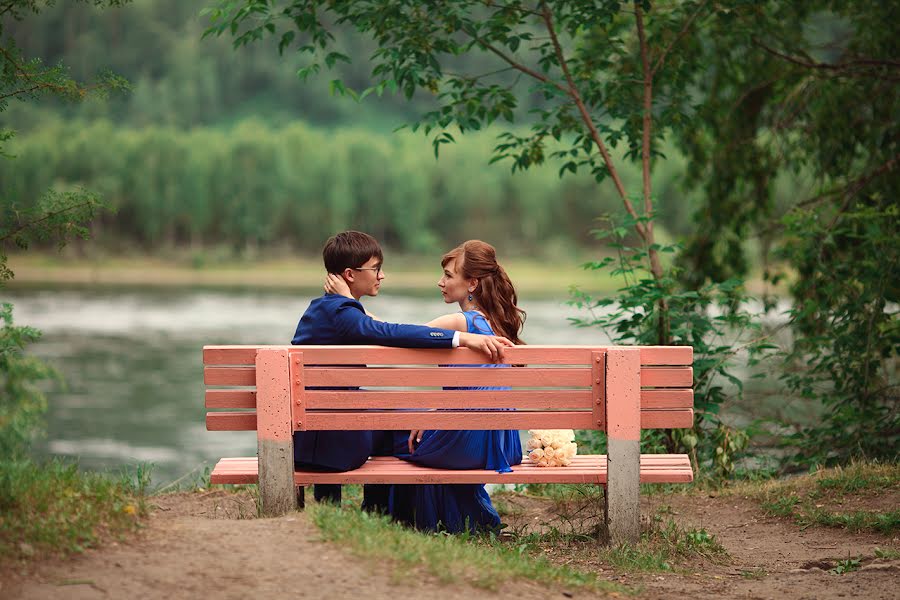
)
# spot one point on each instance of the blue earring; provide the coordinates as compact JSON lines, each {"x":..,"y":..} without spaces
{"x":470,"y":298}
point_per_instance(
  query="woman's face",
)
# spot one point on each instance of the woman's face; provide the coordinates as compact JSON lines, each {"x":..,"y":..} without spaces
{"x":454,"y":287}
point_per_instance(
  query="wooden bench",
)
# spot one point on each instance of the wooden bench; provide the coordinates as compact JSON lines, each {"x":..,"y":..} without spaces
{"x":619,"y":390}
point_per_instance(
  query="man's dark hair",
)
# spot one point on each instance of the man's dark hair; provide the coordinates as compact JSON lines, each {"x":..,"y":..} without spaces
{"x":350,"y":250}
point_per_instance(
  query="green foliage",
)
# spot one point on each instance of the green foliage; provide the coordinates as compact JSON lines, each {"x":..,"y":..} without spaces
{"x":807,"y":90}
{"x":53,"y":508}
{"x":713,"y":320}
{"x":180,"y":80}
{"x":53,"y":215}
{"x":580,"y":59}
{"x":255,"y":186}
{"x":48,"y":508}
{"x":24,"y":78}
{"x":847,"y":334}
{"x":22,"y":404}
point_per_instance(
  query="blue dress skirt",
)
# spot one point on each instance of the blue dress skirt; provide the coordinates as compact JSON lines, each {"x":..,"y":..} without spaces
{"x":458,"y":507}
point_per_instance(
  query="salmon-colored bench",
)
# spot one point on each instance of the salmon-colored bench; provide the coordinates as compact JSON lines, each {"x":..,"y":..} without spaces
{"x":619,"y":390}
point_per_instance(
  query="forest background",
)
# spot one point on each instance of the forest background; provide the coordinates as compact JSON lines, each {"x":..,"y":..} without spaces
{"x":226,"y":153}
{"x":775,"y":163}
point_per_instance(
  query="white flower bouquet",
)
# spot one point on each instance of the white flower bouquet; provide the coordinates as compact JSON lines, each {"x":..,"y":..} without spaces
{"x":552,"y":447}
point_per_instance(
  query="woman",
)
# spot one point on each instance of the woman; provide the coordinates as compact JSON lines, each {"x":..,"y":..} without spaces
{"x":486,"y":297}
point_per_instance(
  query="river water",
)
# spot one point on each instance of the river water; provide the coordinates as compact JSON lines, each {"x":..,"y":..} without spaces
{"x":132,"y":365}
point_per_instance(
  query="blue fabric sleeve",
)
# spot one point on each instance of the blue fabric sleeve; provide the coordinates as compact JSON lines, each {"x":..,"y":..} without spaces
{"x":356,"y":327}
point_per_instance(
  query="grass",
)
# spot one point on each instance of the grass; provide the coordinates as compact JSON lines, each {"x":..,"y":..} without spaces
{"x":663,"y":547}
{"x":758,"y":573}
{"x":847,"y":565}
{"x":484,"y":561}
{"x":817,"y":499}
{"x":53,"y":508}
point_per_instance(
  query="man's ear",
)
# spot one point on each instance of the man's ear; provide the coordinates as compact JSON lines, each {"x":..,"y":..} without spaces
{"x":349,"y":275}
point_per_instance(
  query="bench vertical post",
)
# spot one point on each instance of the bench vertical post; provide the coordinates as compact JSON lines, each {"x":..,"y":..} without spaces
{"x":274,"y":432}
{"x":623,"y":430}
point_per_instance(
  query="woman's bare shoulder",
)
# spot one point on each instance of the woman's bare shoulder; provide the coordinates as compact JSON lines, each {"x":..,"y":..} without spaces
{"x":455,"y":321}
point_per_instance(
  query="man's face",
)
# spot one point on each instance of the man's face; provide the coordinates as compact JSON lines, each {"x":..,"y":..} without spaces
{"x":365,"y":280}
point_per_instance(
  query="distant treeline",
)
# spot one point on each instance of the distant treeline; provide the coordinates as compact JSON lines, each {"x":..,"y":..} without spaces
{"x":254,"y":186}
{"x":183,"y":80}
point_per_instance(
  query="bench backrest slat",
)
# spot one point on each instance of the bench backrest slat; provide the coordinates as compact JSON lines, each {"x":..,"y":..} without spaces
{"x":548,"y":387}
{"x":439,"y":376}
{"x":650,"y":399}
{"x":544,"y":355}
{"x":650,"y":419}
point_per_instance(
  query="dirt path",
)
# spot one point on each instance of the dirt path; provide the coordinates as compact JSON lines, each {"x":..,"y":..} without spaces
{"x":772,"y":558}
{"x":205,"y":545}
{"x":768,"y":557}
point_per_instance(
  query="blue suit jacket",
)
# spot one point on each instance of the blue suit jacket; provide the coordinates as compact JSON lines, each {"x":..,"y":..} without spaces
{"x":338,"y":320}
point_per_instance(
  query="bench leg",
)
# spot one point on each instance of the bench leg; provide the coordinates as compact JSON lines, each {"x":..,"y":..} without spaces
{"x":623,"y":509}
{"x":274,"y":431}
{"x":301,"y":498}
{"x":623,"y":428}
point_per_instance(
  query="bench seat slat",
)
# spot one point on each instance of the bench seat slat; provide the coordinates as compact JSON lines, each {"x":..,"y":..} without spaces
{"x":325,"y":420}
{"x":671,"y":377}
{"x":330,"y":355}
{"x":653,"y":398}
{"x":655,"y":468}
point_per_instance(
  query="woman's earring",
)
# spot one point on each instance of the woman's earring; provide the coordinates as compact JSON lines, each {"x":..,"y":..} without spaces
{"x":470,"y":298}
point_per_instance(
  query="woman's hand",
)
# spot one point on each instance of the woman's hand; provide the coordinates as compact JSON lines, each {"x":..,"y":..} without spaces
{"x":415,"y":436}
{"x":335,"y":284}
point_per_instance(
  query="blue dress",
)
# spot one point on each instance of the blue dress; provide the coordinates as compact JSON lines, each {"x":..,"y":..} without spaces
{"x":457,"y":507}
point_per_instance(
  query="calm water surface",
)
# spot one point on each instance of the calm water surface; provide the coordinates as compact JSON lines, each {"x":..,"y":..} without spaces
{"x":133,"y":369}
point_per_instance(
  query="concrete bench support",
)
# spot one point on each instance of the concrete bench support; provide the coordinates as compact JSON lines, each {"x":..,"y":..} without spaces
{"x":275,"y":433}
{"x":623,"y":428}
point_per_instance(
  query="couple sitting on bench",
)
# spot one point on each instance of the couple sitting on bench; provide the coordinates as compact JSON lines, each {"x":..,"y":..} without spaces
{"x":488,"y":321}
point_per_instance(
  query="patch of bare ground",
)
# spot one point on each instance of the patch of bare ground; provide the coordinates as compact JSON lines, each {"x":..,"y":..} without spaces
{"x":767,"y":557}
{"x":209,"y":544}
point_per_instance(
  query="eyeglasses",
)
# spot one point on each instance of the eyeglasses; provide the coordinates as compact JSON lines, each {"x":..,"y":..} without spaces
{"x":376,"y":269}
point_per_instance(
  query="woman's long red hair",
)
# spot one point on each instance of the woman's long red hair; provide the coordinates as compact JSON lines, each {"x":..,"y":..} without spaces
{"x":495,"y":295}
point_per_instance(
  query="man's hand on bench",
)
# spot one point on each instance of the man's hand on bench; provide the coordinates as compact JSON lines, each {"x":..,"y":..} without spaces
{"x":488,"y":344}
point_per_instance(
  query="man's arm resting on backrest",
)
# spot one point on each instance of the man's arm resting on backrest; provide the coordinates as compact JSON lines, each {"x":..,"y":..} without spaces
{"x":357,"y":327}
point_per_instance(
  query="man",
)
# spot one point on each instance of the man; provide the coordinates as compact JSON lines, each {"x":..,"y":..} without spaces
{"x":338,"y":320}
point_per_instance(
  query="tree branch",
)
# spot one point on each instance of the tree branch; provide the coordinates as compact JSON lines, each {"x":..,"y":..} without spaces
{"x":851,"y":189}
{"x":476,"y":77}
{"x":520,"y":9}
{"x":586,"y":117}
{"x":648,"y":112}
{"x":516,"y":65}
{"x":844,"y":66}
{"x":46,"y":217}
{"x":646,"y":140}
{"x":35,"y":88}
{"x":681,"y":34}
